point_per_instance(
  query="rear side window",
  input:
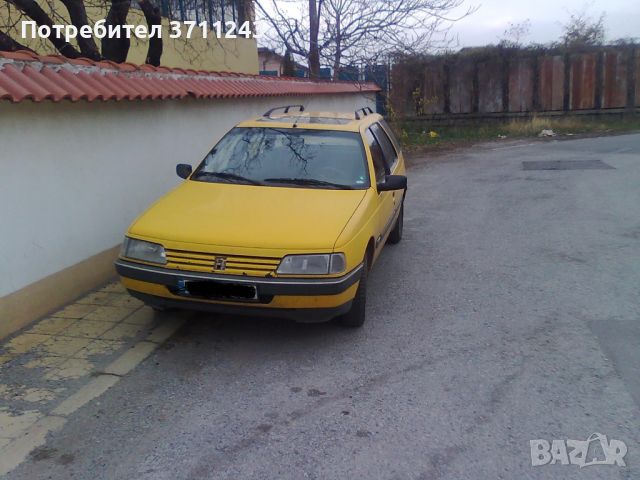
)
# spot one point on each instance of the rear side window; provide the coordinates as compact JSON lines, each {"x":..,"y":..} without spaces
{"x":388,"y":149}
{"x":392,"y":136}
{"x":377,"y":155}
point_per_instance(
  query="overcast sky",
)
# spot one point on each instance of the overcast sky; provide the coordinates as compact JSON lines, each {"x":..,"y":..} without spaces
{"x":493,"y":16}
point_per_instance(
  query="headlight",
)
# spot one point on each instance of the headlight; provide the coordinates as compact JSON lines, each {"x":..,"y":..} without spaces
{"x":141,"y":250}
{"x":312,"y":264}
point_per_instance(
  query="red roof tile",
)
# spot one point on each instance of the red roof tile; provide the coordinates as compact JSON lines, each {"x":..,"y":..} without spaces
{"x":24,"y":75}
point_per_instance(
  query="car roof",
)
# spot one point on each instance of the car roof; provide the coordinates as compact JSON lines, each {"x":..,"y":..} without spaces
{"x":341,"y":121}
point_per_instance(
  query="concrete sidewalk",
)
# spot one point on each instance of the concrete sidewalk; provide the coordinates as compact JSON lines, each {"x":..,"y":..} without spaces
{"x":69,"y":358}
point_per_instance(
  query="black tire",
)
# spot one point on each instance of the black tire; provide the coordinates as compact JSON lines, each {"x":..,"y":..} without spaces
{"x":355,"y":317}
{"x":396,"y":234}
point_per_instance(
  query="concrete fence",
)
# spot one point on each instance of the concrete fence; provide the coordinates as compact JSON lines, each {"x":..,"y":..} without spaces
{"x":503,"y":82}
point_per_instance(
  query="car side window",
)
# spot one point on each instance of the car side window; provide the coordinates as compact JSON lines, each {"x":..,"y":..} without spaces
{"x":387,"y":128}
{"x":377,"y":155}
{"x":389,"y":151}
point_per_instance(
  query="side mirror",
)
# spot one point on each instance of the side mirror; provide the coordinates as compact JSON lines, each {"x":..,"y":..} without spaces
{"x":393,"y":182}
{"x":183,"y":170}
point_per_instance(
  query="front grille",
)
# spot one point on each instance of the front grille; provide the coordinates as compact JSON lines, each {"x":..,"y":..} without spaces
{"x":213,"y":262}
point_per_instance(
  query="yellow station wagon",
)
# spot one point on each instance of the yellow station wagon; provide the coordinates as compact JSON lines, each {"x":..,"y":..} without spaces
{"x":284,"y":217}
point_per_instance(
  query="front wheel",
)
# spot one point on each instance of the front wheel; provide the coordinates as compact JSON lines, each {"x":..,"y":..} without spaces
{"x":396,"y":234}
{"x":355,"y":317}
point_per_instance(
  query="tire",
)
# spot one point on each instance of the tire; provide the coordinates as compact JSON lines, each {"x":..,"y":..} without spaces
{"x":396,"y":234}
{"x":355,"y":317}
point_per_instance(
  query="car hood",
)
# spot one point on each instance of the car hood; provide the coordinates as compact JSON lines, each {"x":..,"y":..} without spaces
{"x":249,"y":216}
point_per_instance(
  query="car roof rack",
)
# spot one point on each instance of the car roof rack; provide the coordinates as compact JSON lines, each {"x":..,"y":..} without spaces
{"x":286,"y":109}
{"x":365,"y":111}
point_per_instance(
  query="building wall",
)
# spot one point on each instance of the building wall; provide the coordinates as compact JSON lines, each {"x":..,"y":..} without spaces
{"x":75,"y":175}
{"x":216,"y":54}
{"x":270,"y":63}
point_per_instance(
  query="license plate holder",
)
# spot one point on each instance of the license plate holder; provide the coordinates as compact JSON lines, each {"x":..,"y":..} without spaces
{"x":215,"y":290}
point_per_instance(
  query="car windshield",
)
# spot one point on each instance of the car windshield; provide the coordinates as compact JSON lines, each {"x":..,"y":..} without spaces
{"x":287,"y":157}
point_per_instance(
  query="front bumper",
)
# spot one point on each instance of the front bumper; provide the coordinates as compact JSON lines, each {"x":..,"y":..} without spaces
{"x":301,"y":299}
{"x":302,"y":315}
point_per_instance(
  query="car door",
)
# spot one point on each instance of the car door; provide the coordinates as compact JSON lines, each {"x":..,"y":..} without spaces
{"x":384,"y":210}
{"x":395,"y":160}
{"x":392,"y":162}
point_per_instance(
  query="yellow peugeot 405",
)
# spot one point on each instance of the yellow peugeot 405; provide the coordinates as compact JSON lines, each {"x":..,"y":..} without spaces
{"x":284,"y":217}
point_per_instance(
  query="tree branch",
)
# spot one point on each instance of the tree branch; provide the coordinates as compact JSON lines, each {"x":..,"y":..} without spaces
{"x":116,"y":49}
{"x":8,"y":44}
{"x":153,"y":17}
{"x":78,"y":16}
{"x":38,"y":15}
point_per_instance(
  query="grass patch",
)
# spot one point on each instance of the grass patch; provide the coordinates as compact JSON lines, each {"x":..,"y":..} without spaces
{"x":418,"y":136}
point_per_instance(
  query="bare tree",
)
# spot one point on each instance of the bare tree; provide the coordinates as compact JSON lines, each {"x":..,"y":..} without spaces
{"x":583,"y":30}
{"x":344,"y":32}
{"x":116,"y":49}
{"x":75,"y":13}
{"x":315,"y":11}
{"x":152,"y":16}
{"x":515,"y":33}
{"x":288,"y":65}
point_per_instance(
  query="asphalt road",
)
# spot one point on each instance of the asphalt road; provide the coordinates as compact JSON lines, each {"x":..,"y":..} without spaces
{"x":510,"y":312}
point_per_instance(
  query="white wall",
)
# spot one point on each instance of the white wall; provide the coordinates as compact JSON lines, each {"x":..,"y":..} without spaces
{"x":74,"y":175}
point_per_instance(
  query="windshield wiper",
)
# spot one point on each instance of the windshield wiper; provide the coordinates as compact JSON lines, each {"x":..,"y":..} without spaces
{"x":228,"y":176}
{"x":308,"y":181}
